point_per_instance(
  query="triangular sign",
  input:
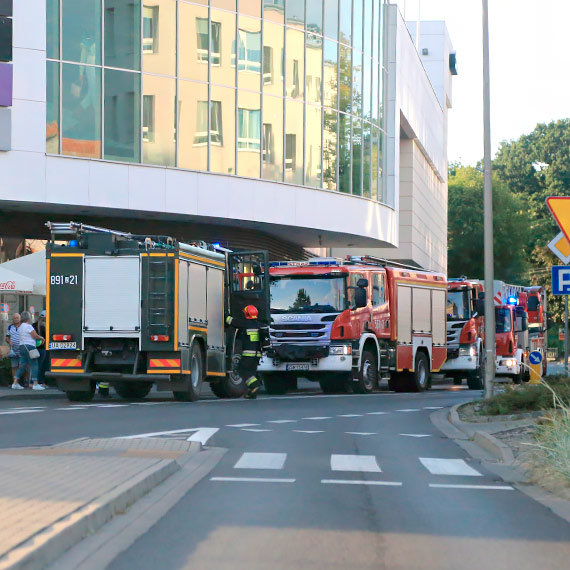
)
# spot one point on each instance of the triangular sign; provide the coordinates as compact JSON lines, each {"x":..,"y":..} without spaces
{"x":560,"y":208}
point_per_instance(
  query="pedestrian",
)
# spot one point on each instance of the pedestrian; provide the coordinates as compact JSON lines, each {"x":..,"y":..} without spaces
{"x":40,"y":328}
{"x":251,"y":349}
{"x":29,"y":355}
{"x":12,"y":338}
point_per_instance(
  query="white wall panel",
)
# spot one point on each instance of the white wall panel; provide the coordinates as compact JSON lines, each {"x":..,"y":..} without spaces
{"x":28,"y":126}
{"x":30,"y":24}
{"x":67,"y":181}
{"x":22,"y":176}
{"x":108,"y":185}
{"x":29,"y":74}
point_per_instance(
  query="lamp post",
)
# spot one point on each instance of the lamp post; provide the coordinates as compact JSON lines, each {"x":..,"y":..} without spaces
{"x":488,"y":216}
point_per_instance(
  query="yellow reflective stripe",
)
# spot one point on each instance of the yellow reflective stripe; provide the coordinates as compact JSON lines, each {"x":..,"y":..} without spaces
{"x":253,"y":336}
{"x":249,"y":353}
{"x":229,"y":320}
{"x":251,"y":380}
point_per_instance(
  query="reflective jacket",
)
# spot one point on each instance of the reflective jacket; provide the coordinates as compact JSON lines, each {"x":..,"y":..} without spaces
{"x":250,"y":335}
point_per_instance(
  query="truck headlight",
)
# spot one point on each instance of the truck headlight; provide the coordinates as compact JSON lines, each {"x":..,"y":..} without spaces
{"x":340,"y":350}
{"x":510,"y":362}
{"x":467,"y":351}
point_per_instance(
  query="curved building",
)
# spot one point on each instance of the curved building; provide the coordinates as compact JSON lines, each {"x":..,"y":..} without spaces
{"x":247,"y":121}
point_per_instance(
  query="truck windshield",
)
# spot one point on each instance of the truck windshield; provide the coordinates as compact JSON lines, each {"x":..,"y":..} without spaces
{"x":502,"y":320}
{"x":315,"y":294}
{"x":458,"y":308}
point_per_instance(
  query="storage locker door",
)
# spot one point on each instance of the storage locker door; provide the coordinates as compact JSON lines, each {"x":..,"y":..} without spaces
{"x":215,"y":307}
{"x":196,"y":293}
{"x":404,"y":314}
{"x":438,"y":317}
{"x":421,"y":307}
{"x":183,"y":301}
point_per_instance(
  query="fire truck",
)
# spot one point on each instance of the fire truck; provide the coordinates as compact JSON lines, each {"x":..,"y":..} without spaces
{"x":349,"y":323}
{"x":465,"y":332}
{"x":137,"y":310}
{"x":537,"y":320}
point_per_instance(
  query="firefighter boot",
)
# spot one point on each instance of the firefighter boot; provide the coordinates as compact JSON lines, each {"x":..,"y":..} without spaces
{"x":103,"y":389}
{"x":253,"y":385}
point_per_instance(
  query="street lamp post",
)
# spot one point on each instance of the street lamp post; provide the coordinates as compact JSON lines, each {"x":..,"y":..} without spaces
{"x":488,"y":216}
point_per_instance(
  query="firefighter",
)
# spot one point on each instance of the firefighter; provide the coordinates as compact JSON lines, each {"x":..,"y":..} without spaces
{"x":103,"y":388}
{"x":251,"y":349}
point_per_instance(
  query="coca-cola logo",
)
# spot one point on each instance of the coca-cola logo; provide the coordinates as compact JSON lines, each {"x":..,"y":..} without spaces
{"x":7,"y":286}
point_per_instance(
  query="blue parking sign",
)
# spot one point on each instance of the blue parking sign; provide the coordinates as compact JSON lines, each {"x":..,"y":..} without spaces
{"x":561,"y":280}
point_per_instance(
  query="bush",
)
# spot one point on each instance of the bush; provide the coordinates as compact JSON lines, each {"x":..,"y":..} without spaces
{"x":529,"y":397}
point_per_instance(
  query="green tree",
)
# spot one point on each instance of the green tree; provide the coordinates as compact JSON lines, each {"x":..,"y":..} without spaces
{"x":302,"y":300}
{"x":465,"y":227}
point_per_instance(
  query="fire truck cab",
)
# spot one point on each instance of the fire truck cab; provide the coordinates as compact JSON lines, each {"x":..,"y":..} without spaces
{"x":512,"y":340}
{"x":349,"y":323}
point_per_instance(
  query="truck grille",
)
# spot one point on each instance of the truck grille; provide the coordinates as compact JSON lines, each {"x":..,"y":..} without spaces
{"x":454,"y":332}
{"x":300,"y":333}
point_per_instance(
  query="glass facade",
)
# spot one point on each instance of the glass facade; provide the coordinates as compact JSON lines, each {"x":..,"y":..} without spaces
{"x":284,"y":90}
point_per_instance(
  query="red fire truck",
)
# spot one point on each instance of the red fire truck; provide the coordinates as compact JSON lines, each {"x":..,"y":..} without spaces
{"x":512,"y":339}
{"x":350,"y":323}
{"x":465,"y":332}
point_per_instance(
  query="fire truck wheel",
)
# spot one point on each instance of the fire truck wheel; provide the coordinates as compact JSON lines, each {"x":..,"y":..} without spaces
{"x":335,"y":383}
{"x":232,"y":385}
{"x":419,"y":380}
{"x":457,"y":380}
{"x":398,"y":382}
{"x":132,"y":390}
{"x":517,"y":378}
{"x":275,"y":384}
{"x":475,"y":377}
{"x":83,"y":396}
{"x":219,"y":389}
{"x":194,"y":382}
{"x":367,"y":378}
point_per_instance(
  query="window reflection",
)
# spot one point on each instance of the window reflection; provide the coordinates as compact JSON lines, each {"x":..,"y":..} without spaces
{"x":272,"y":150}
{"x":249,"y":134}
{"x":81,"y":31}
{"x":315,"y":16}
{"x":367,"y":159}
{"x":376,"y":163}
{"x":331,"y":19}
{"x":314,"y":55}
{"x":313,"y":146}
{"x":295,"y":63}
{"x":295,"y":13}
{"x":122,"y":115}
{"x":357,"y":157}
{"x":294,"y":142}
{"x":274,"y":11}
{"x":222,"y":47}
{"x":250,"y":7}
{"x":330,"y":91}
{"x":330,"y":149}
{"x":345,"y":21}
{"x":248,"y":53}
{"x":193,"y":125}
{"x":344,"y":153}
{"x":81,"y":112}
{"x":345,"y":79}
{"x":357,"y":24}
{"x":222,"y":130}
{"x":273,"y":54}
{"x":158,"y":133}
{"x":52,"y":110}
{"x":52,"y":29}
{"x":226,"y":4}
{"x":159,"y":36}
{"x":122,"y":34}
{"x":366,"y":88}
{"x":356,"y":83}
{"x":193,"y":41}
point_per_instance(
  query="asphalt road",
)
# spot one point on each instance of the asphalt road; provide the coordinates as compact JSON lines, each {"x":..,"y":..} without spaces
{"x":317,"y":482}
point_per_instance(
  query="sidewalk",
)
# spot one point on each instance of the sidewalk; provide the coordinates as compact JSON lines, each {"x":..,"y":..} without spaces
{"x":6,"y":393}
{"x":53,"y":497}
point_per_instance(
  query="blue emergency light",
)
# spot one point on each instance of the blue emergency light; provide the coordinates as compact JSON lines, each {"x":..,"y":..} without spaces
{"x":512,"y":301}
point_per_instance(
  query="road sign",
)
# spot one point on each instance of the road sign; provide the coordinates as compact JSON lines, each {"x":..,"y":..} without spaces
{"x":535,"y":357}
{"x":560,"y":208}
{"x":560,"y":280}
{"x":560,"y":247}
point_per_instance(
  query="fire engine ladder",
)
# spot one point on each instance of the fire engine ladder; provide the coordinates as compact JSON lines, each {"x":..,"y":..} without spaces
{"x":159,"y":317}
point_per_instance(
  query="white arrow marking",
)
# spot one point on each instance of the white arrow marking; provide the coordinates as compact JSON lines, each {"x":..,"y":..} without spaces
{"x":203,"y":435}
{"x":255,"y":430}
{"x":359,"y":433}
{"x":319,"y":418}
{"x":376,"y":413}
{"x":409,"y":410}
{"x":349,"y":416}
{"x":242,"y":425}
{"x":415,"y":435}
{"x":307,"y":431}
{"x":282,"y":421}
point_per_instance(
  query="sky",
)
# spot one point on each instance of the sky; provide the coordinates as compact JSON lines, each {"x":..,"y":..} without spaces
{"x":529,"y":63}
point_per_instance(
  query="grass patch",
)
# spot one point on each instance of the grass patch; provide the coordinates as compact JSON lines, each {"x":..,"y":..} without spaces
{"x":553,"y":392}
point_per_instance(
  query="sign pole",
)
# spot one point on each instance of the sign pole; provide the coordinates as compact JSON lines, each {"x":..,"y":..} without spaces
{"x":566,"y":334}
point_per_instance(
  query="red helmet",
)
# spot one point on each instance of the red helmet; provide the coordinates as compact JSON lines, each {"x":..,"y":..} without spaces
{"x":250,"y":312}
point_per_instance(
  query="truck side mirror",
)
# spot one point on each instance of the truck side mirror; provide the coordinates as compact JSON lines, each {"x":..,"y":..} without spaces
{"x":360,"y":299}
{"x":363,"y":283}
{"x":480,"y":307}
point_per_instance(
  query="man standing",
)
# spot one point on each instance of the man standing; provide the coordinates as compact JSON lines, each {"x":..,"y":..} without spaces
{"x":251,"y":349}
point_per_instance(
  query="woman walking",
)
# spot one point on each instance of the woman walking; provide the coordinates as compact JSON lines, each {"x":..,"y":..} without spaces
{"x":13,"y":340}
{"x":28,"y":352}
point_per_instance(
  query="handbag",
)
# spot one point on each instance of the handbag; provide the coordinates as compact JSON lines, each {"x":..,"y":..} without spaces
{"x":33,"y":354}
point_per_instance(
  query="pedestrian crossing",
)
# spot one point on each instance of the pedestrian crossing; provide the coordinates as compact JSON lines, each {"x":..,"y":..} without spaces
{"x":347,"y":465}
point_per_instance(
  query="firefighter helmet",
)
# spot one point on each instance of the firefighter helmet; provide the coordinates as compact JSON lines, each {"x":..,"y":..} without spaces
{"x":250,"y":312}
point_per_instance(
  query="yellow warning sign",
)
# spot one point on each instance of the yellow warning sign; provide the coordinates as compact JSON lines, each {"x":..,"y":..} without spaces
{"x":560,"y":208}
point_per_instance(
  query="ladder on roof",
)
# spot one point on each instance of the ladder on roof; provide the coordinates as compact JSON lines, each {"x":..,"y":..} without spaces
{"x":159,"y":314}
{"x":372,"y":260}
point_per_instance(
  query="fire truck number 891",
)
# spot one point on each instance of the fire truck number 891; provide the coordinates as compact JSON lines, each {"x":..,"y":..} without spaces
{"x":64,"y":280}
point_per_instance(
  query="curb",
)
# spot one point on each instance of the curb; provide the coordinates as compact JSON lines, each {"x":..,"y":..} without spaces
{"x":45,"y":547}
{"x":495,"y":447}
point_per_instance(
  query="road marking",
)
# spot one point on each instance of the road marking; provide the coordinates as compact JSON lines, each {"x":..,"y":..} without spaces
{"x":375,"y":413}
{"x":70,"y":408}
{"x":433,"y":408}
{"x":307,"y":431}
{"x":319,"y":418}
{"x":153,"y":403}
{"x":489,"y":487}
{"x":242,"y":425}
{"x":252,"y":479}
{"x":409,"y":410}
{"x":255,"y":430}
{"x":349,"y":416}
{"x":29,"y":408}
{"x":203,"y":435}
{"x":448,"y":467}
{"x":350,"y":482}
{"x":360,"y":463}
{"x":415,"y":435}
{"x":282,"y":421}
{"x":112,"y":405}
{"x":261,"y":461}
{"x":13,"y":412}
{"x":359,"y":433}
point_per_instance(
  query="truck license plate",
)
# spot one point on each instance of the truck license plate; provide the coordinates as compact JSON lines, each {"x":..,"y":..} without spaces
{"x":62,"y":345}
{"x":294,"y":367}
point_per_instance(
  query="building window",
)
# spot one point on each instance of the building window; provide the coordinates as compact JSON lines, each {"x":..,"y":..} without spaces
{"x":268,"y":144}
{"x":201,"y":135}
{"x":215,"y":43}
{"x":267,"y":65}
{"x":150,"y":29}
{"x":290,"y":152}
{"x":248,"y":129}
{"x":249,"y":51}
{"x":148,"y":129}
{"x":202,"y":39}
